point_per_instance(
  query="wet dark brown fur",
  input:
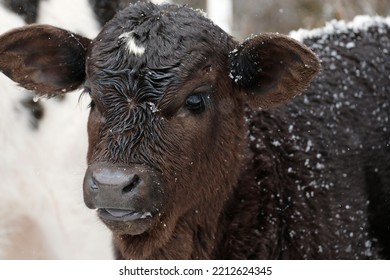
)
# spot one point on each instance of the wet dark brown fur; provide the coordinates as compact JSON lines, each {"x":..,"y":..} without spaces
{"x":174,"y":139}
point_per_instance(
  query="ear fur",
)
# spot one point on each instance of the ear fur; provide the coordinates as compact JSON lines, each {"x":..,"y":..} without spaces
{"x":44,"y":58}
{"x":272,"y":68}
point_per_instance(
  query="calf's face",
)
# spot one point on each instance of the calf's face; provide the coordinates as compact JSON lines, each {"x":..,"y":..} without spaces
{"x":168,"y":92}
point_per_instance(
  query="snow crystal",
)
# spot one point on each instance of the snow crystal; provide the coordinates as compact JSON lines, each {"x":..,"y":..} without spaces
{"x":237,"y":78}
{"x":37,"y":97}
{"x":320,"y":166}
{"x":309,"y":194}
{"x":332,"y":66}
{"x":146,"y":215}
{"x":276,"y":143}
{"x":153,"y":107}
{"x":234,"y":77}
{"x":350,"y":45}
{"x":309,"y":146}
{"x":234,"y":52}
{"x":359,"y":23}
{"x":201,"y":12}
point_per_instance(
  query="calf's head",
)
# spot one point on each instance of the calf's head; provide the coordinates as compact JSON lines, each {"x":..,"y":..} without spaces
{"x":169,"y":91}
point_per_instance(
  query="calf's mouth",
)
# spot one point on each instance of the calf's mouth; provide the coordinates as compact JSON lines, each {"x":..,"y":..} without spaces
{"x":122,"y":215}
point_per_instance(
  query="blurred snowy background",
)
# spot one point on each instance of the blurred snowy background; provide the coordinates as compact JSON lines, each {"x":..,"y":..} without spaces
{"x":256,"y":16}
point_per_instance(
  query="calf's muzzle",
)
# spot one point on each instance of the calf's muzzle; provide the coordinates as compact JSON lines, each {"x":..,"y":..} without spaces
{"x":128,"y":197}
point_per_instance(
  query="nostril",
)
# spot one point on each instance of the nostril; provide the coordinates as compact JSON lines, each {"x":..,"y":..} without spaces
{"x":94,"y":184}
{"x":134,"y":182}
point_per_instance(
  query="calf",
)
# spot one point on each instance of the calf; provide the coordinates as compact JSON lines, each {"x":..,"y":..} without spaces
{"x":191,"y":158}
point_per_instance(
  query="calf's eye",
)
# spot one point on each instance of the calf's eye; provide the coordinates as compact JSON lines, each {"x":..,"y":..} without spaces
{"x":195,"y":103}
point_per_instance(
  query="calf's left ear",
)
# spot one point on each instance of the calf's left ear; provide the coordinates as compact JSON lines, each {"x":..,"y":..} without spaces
{"x":43,"y":58}
{"x":272,"y":68}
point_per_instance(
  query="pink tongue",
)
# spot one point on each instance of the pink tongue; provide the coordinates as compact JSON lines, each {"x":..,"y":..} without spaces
{"x":118,"y":212}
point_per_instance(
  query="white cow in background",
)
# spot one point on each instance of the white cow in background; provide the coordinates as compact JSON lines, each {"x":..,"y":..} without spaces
{"x":42,"y":214}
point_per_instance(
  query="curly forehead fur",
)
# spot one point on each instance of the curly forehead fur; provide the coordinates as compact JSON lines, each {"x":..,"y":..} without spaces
{"x":156,"y":45}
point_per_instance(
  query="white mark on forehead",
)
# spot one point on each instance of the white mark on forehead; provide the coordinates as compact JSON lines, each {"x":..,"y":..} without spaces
{"x":131,"y":45}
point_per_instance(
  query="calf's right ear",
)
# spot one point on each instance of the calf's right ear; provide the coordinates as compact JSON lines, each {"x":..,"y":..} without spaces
{"x":272,"y":68}
{"x":44,"y":58}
